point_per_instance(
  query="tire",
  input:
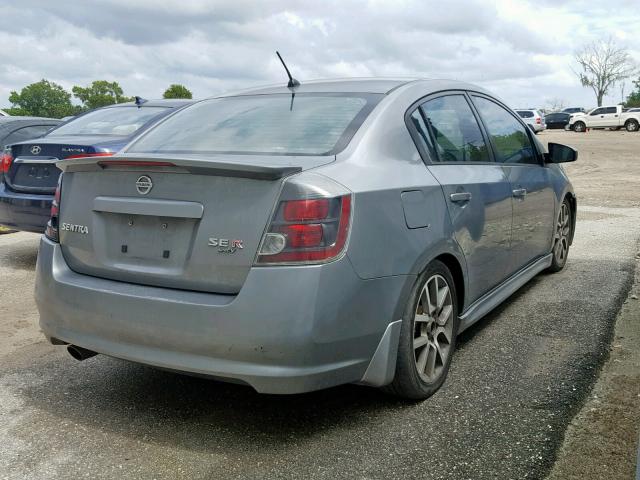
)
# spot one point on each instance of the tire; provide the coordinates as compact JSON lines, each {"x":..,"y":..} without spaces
{"x":579,"y":127}
{"x":423,"y":340}
{"x":561,"y":237}
{"x":631,"y":125}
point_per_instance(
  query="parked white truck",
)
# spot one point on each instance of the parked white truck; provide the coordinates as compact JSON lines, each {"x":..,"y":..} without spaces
{"x":605,"y":117}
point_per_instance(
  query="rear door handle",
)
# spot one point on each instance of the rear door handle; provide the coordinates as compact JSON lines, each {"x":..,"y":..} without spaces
{"x":460,"y":197}
{"x":519,"y":192}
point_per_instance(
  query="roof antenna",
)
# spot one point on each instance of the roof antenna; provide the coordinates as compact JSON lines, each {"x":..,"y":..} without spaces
{"x":293,"y":83}
{"x":140,"y":101}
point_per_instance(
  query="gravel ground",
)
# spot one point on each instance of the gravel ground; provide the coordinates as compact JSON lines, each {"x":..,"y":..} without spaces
{"x":517,"y":380}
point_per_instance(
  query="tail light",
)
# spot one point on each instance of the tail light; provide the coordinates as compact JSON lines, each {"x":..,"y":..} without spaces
{"x":7,"y":160}
{"x":51,"y":232}
{"x":310,"y":224}
{"x":538,"y":120}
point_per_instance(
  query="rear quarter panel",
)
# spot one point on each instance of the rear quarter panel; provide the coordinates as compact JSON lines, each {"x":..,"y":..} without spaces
{"x":380,"y":164}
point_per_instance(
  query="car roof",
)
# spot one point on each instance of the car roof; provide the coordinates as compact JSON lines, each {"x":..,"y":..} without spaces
{"x":16,"y":118}
{"x":376,"y":85}
{"x":338,"y":85}
{"x":9,"y":124}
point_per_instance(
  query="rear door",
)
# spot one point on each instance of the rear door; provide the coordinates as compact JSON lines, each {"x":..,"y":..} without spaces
{"x":533,"y":196}
{"x":476,"y":189}
{"x":611,"y":117}
{"x":595,"y":118}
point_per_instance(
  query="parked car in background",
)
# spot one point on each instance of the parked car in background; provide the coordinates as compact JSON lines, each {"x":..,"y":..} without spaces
{"x":557,"y":120}
{"x":633,"y":110}
{"x":240,"y":239}
{"x":613,"y":117}
{"x":533,"y":118}
{"x":573,"y":110}
{"x":16,"y":129}
{"x":30,"y":175}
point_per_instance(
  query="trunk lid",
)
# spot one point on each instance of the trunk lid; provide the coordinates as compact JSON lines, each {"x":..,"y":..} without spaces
{"x":187,"y":223}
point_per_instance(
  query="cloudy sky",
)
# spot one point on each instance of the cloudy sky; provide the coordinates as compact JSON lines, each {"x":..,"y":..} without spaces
{"x":520,"y":49}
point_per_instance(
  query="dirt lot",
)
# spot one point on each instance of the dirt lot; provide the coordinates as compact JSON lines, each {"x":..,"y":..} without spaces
{"x":608,"y":170}
{"x":602,"y":440}
{"x":518,"y":380}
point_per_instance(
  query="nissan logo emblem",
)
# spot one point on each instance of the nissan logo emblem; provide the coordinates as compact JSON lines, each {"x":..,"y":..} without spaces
{"x":36,"y":149}
{"x":144,"y":185}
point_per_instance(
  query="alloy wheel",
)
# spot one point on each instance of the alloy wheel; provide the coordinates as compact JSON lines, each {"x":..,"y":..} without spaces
{"x":433,"y":328}
{"x":561,"y":239}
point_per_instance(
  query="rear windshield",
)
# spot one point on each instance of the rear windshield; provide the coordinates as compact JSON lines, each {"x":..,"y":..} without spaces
{"x":525,"y":113}
{"x":307,"y":124}
{"x":109,"y":121}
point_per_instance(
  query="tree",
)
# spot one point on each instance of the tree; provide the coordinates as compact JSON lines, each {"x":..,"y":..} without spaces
{"x":99,"y":94}
{"x":42,"y":99}
{"x":603,"y":64}
{"x":177,"y":91}
{"x":555,"y":104}
{"x":633,"y":100}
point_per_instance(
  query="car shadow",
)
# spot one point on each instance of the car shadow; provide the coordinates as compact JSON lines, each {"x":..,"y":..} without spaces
{"x":23,"y":257}
{"x":197,"y":413}
{"x":204,"y":415}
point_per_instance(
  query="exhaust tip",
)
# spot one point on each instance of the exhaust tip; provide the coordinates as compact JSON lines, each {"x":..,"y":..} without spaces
{"x":80,"y":353}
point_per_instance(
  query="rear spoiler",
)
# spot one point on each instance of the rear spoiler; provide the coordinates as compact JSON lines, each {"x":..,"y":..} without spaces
{"x":247,"y":167}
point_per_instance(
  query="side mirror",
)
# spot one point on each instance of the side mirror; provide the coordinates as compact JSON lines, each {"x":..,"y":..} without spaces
{"x":559,"y":153}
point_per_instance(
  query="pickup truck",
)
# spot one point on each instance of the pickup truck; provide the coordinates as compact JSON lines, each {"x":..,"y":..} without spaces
{"x":605,"y":117}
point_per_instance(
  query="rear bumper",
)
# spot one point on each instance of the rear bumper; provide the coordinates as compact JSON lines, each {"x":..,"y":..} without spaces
{"x":289,"y":330}
{"x":24,"y":211}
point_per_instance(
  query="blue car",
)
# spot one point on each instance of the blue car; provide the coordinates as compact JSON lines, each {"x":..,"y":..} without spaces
{"x":28,"y":175}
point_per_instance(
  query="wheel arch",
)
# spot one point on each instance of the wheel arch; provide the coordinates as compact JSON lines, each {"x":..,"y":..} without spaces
{"x":454,"y":266}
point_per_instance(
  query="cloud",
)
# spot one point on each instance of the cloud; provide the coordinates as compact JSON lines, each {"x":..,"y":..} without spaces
{"x":521,"y":49}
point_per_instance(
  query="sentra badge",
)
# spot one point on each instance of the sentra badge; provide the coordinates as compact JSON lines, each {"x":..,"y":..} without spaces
{"x":69,"y":227}
{"x":226,"y":245}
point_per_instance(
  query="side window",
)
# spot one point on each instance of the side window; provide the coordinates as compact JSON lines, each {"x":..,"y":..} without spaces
{"x":611,"y":110}
{"x":597,"y":111}
{"x":454,"y":129}
{"x":26,"y":133}
{"x":509,"y":136}
{"x":418,"y":122}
